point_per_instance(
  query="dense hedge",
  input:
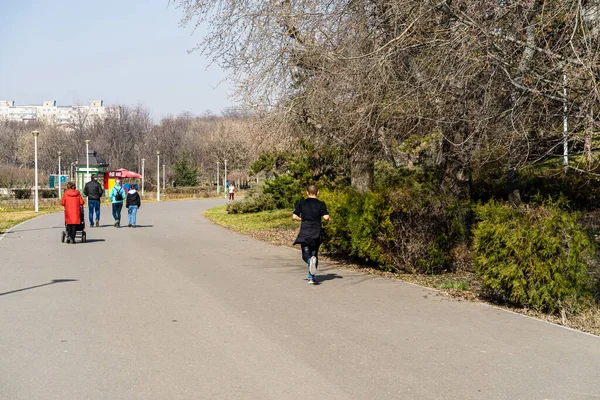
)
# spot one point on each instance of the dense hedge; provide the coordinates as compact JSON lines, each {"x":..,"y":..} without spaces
{"x":412,"y":228}
{"x":533,"y":256}
{"x":281,"y":192}
{"x":21,"y":194}
{"x":360,"y":225}
{"x":199,"y":191}
{"x":255,"y":201}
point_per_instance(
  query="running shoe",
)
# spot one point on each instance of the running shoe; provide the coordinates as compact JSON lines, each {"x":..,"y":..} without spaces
{"x":312,"y":266}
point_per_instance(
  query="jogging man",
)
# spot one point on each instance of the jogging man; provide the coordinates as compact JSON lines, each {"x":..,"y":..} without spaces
{"x":310,"y":211}
{"x":93,"y":190}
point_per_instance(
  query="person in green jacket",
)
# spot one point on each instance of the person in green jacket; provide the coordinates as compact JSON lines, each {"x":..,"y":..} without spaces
{"x":117,"y":196}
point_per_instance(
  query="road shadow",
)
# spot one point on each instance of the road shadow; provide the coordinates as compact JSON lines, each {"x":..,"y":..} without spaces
{"x":326,"y":277}
{"x":37,"y":229}
{"x":38,"y":286}
{"x":121,"y":227}
{"x":94,"y":240}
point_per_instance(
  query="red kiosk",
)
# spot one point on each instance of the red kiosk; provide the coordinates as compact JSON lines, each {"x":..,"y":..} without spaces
{"x":122,"y":174}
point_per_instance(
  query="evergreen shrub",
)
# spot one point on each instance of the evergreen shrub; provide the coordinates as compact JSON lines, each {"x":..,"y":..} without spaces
{"x":255,"y":201}
{"x":48,"y":193}
{"x":285,"y":190}
{"x":360,"y":225}
{"x":21,"y":194}
{"x":405,"y":223}
{"x":533,"y":257}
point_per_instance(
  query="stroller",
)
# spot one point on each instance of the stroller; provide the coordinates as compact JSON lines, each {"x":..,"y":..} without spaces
{"x":80,"y":230}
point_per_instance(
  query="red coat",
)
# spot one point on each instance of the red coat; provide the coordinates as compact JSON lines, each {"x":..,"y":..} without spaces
{"x":72,"y":201}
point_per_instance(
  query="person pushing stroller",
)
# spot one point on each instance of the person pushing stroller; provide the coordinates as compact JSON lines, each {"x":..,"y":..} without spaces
{"x":73,"y":203}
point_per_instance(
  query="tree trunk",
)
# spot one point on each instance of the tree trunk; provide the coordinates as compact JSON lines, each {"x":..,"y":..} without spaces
{"x":512,"y":186}
{"x":362,"y":169}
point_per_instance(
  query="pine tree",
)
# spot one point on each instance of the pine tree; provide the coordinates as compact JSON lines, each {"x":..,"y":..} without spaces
{"x":185,"y":174}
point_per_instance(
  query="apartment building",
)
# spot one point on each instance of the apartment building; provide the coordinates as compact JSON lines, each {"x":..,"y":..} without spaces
{"x":51,"y":112}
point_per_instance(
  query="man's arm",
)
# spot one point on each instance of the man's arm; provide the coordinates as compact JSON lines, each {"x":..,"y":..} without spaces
{"x":297,"y":218}
{"x":326,"y":217}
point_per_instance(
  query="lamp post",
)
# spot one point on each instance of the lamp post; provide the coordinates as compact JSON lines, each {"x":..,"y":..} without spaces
{"x":565,"y":124}
{"x":164,"y":178}
{"x":87,"y":161}
{"x":59,"y":194}
{"x":218,"y":163}
{"x":35,"y":136}
{"x":157,"y":175}
{"x":143,"y":160}
{"x":225,"y":179}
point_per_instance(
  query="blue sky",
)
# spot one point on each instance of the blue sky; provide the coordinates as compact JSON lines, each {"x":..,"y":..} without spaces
{"x":122,"y":51}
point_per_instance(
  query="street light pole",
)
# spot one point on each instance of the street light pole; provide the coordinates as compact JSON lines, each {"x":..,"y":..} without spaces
{"x":87,"y":161}
{"x":565,"y":124}
{"x":59,"y":194}
{"x":164,"y":177}
{"x":158,"y":176}
{"x":35,"y":136}
{"x":143,"y":160}
{"x":225,"y":179}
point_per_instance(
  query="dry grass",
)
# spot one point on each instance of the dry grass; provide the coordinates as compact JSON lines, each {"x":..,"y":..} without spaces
{"x":13,"y":213}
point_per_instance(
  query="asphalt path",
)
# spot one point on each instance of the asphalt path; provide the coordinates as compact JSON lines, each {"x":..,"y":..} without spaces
{"x":180,"y":308}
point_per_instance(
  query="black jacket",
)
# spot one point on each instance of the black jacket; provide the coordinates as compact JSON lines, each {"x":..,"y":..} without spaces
{"x":93,"y":190}
{"x":133,"y":199}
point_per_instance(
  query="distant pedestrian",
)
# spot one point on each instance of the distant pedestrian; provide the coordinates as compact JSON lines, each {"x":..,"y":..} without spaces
{"x":231,"y":191}
{"x":73,"y":203}
{"x":94,"y":192}
{"x":117,"y":195}
{"x":310,"y":211}
{"x":133,"y":203}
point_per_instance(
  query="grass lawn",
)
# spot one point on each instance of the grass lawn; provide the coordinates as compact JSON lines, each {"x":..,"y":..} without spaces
{"x":276,"y":226}
{"x":14,"y":214}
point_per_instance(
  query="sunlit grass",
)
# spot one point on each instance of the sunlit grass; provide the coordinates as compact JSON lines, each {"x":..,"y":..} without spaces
{"x":13,"y":213}
{"x":246,"y":223}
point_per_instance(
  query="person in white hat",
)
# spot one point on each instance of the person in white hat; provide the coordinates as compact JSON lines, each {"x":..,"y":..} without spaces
{"x":117,"y":196}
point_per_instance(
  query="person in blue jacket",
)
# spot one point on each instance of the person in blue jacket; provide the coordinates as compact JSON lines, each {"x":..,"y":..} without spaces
{"x":117,"y":196}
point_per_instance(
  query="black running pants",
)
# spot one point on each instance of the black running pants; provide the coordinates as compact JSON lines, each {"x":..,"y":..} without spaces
{"x":310,"y":251}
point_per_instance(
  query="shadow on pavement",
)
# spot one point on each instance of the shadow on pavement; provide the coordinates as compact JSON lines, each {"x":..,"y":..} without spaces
{"x":123,"y":226}
{"x":37,"y":229}
{"x":37,"y":286}
{"x":94,"y":240}
{"x":326,"y":277}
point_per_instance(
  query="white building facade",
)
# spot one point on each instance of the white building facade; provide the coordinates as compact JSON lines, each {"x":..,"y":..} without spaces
{"x":50,"y":112}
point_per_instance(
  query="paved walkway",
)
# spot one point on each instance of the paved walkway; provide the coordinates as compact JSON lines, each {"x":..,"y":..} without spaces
{"x":182,"y":309}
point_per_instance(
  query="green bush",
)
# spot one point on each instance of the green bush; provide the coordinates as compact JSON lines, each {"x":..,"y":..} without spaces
{"x":254,"y":202}
{"x":360,"y":225}
{"x":48,"y":193}
{"x":285,"y":190}
{"x":22,"y":194}
{"x":533,"y":256}
{"x":404,"y":224}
